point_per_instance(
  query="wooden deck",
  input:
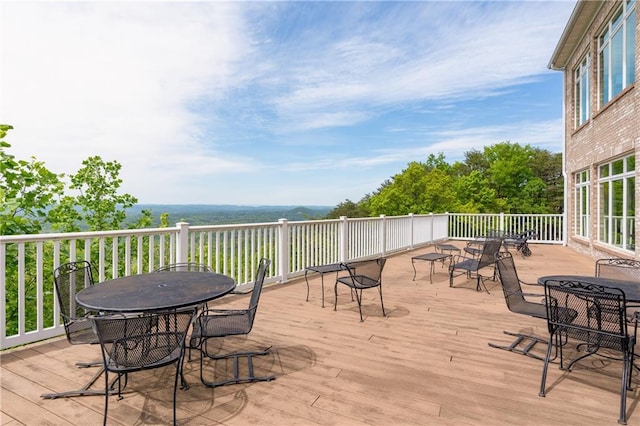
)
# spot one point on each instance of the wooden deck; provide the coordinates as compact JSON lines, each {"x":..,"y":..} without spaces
{"x":426,"y":363}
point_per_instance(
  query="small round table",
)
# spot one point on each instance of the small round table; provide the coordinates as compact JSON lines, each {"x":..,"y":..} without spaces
{"x":155,"y":291}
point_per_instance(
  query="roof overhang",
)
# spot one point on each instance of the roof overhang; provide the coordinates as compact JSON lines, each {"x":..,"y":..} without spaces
{"x":580,"y":20}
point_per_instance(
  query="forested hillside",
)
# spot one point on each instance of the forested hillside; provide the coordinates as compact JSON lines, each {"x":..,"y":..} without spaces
{"x":203,"y":214}
{"x":502,"y":178}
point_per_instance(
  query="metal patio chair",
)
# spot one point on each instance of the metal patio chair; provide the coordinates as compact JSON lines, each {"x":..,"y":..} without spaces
{"x":599,"y":323}
{"x":184,"y":266}
{"x":520,"y":242}
{"x":619,"y":268}
{"x":473,"y":264}
{"x":217,"y":323}
{"x":517,"y":302}
{"x":133,"y":343}
{"x":69,"y":279}
{"x":363,"y":274}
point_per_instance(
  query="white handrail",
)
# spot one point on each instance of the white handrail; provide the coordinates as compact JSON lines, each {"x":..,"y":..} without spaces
{"x":28,"y":308}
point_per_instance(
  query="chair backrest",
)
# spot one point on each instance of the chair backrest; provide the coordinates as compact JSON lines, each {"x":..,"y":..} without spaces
{"x":154,"y":339}
{"x":618,"y":268}
{"x":588,"y":313}
{"x":261,"y":274}
{"x":510,"y":283}
{"x":489,"y":250}
{"x":366,"y":272}
{"x":69,"y":279}
{"x":185,"y":266}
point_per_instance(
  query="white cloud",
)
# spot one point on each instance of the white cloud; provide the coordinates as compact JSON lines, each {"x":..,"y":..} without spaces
{"x":119,"y":80}
{"x":220,"y":102}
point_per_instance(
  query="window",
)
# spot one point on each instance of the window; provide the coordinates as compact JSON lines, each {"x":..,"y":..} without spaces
{"x":581,"y":95}
{"x":616,"y":221}
{"x":616,"y":52}
{"x":581,"y":210}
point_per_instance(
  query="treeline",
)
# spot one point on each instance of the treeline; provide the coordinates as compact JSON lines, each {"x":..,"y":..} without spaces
{"x":502,"y":178}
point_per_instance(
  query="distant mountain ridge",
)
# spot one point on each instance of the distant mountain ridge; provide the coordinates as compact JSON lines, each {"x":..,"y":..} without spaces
{"x":219,"y":214}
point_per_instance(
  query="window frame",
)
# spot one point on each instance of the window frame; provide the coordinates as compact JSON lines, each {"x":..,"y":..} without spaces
{"x":582,"y":203}
{"x":616,"y":203}
{"x":611,"y":80}
{"x":582,"y":92}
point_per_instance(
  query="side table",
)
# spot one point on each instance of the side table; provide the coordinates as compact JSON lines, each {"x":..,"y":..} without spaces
{"x":431,"y":257}
{"x":450,"y":248}
{"x":322,"y":269}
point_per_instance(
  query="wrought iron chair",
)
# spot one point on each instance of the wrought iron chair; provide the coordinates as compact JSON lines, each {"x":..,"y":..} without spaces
{"x":135,"y":343}
{"x":516,"y":301}
{"x":363,"y":274}
{"x":599,"y":323}
{"x":487,"y":257}
{"x":68,"y":279}
{"x":619,"y":268}
{"x":520,"y":241}
{"x":184,"y":266}
{"x":215,"y":323}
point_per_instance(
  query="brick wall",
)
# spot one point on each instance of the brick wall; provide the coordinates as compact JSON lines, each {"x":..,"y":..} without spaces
{"x":612,"y":131}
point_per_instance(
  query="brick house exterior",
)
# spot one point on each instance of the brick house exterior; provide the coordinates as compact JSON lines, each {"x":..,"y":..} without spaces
{"x":599,"y":54}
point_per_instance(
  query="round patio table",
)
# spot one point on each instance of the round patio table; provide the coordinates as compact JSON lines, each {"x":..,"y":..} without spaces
{"x":630,"y":288}
{"x":155,"y":291}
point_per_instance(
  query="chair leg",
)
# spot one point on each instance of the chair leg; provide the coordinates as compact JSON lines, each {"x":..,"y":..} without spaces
{"x":626,"y":371}
{"x":175,"y":388}
{"x":543,"y":381}
{"x":359,"y":299}
{"x":384,"y":314}
{"x":251,"y":377}
{"x":83,"y":391}
{"x":106,"y":397}
{"x":521,"y":339}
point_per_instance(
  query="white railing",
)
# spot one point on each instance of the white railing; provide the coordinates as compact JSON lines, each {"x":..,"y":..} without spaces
{"x":29,"y":309}
{"x":548,"y":227}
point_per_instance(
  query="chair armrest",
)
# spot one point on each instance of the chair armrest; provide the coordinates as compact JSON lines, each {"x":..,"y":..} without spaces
{"x":222,"y":312}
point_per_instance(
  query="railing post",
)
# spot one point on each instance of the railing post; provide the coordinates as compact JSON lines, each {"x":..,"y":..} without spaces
{"x":431,"y":236}
{"x":411,"y":225}
{"x":343,"y":242}
{"x":284,"y":250}
{"x":182,"y":242}
{"x":501,"y":222}
{"x":383,"y":236}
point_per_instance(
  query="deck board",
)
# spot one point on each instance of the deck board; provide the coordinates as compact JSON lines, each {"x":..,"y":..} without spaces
{"x":426,"y":362}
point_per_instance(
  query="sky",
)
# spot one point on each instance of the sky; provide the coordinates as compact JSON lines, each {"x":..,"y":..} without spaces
{"x":275,"y":103}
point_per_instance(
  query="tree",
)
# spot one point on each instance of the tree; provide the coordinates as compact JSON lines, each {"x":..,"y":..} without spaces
{"x":420,"y":188}
{"x":98,"y":205}
{"x":27,"y":191}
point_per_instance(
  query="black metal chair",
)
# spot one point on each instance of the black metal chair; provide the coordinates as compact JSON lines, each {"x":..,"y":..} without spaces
{"x":517,"y":302}
{"x":184,"y":266}
{"x":486,"y":257}
{"x":134,"y":343}
{"x":363,"y":274}
{"x":69,"y":279}
{"x":215,"y":323}
{"x":619,"y":268}
{"x":519,"y":241}
{"x":599,"y":323}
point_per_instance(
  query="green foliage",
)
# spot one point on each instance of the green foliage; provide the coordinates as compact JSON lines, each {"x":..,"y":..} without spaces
{"x":504,"y":177}
{"x":349,"y":209}
{"x":27,"y":190}
{"x":98,"y":183}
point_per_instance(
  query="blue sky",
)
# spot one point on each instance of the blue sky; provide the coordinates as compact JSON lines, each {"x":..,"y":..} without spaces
{"x":275,"y":103}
